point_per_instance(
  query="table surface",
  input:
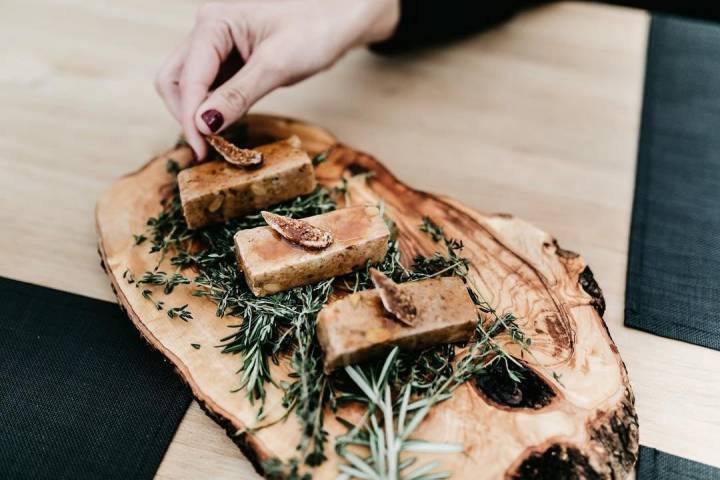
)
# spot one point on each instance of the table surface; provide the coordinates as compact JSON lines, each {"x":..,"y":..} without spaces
{"x":538,"y":117}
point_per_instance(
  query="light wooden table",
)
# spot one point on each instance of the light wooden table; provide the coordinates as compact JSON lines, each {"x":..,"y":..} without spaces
{"x":539,"y":118}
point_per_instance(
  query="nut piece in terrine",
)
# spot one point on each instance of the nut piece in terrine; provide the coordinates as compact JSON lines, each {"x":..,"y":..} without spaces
{"x":357,"y":327}
{"x":272,"y":264}
{"x":216,"y":191}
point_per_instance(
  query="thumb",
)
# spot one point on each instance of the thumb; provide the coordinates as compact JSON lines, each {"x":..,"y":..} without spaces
{"x":231,"y":100}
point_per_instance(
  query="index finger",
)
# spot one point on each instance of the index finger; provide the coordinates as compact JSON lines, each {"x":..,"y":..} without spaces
{"x":211,"y":43}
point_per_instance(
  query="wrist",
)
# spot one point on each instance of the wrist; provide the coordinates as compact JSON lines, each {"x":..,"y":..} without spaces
{"x":383,"y":17}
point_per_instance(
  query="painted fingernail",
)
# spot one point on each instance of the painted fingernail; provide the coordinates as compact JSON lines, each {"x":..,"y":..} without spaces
{"x":213,"y":119}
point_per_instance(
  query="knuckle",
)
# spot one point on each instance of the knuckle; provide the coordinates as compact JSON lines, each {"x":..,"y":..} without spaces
{"x":216,"y":31}
{"x":235,"y":98}
{"x":191,"y":92}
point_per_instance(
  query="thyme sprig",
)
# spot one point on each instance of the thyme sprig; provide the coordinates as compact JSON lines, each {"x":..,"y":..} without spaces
{"x":167,"y":281}
{"x":180,"y":312}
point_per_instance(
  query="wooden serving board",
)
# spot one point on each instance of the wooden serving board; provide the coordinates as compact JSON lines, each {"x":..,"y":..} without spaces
{"x":589,"y":427}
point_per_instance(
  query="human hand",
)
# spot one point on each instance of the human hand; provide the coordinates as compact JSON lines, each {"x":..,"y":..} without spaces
{"x":240,"y":51}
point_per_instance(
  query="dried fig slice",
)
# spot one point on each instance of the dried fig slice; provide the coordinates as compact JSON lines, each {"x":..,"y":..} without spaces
{"x":240,"y":157}
{"x":298,"y":231}
{"x":396,"y":302}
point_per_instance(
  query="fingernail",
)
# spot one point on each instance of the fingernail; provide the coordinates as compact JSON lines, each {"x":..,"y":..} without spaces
{"x":213,"y":119}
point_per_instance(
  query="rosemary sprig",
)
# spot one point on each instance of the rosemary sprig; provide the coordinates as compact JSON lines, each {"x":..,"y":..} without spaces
{"x":386,"y":427}
{"x":310,"y":391}
{"x":386,"y":441}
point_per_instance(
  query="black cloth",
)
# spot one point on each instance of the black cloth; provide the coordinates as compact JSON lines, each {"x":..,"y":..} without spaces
{"x":81,"y":393}
{"x":426,"y":22}
{"x":656,"y":465}
{"x":673,"y":277}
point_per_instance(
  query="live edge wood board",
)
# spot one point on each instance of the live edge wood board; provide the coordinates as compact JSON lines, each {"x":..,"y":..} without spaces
{"x":587,"y":427}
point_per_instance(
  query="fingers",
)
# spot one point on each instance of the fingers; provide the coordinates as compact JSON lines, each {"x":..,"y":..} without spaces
{"x":230,"y":101}
{"x":210,"y":44}
{"x":167,"y":81}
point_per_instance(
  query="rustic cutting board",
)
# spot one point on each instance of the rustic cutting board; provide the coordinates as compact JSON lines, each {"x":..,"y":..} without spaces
{"x":589,"y":426}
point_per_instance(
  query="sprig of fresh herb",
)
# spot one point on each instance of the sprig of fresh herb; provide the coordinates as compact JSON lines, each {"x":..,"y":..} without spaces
{"x":431,"y":228}
{"x":180,"y":312}
{"x":309,"y":392}
{"x":168,"y":281}
{"x":147,"y":295}
{"x":386,"y":440}
{"x":274,"y":469}
{"x":386,"y":427}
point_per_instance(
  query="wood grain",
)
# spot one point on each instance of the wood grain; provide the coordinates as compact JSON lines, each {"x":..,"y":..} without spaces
{"x":538,"y":117}
{"x":516,"y":267}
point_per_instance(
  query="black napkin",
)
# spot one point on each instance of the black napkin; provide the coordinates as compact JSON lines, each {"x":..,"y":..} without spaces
{"x":657,"y":465}
{"x":81,"y":394}
{"x":673,"y":278}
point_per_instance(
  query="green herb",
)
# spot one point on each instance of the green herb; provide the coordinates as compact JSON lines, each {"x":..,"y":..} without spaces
{"x":319,"y":158}
{"x":128,"y":276}
{"x":172,"y":167}
{"x":139,"y":239}
{"x":386,"y":427}
{"x":147,"y":294}
{"x":310,"y":391}
{"x":431,"y":228}
{"x":196,"y":346}
{"x":169,"y":282}
{"x":274,"y":469}
{"x":181,"y":312}
{"x":279,"y":322}
{"x":388,"y":422}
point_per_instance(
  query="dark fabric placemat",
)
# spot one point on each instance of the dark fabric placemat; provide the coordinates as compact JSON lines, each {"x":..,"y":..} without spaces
{"x":673,"y":278}
{"x":81,"y":393}
{"x":656,"y":465}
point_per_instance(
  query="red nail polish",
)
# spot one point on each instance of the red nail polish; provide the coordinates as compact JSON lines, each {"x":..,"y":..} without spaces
{"x":213,"y":119}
